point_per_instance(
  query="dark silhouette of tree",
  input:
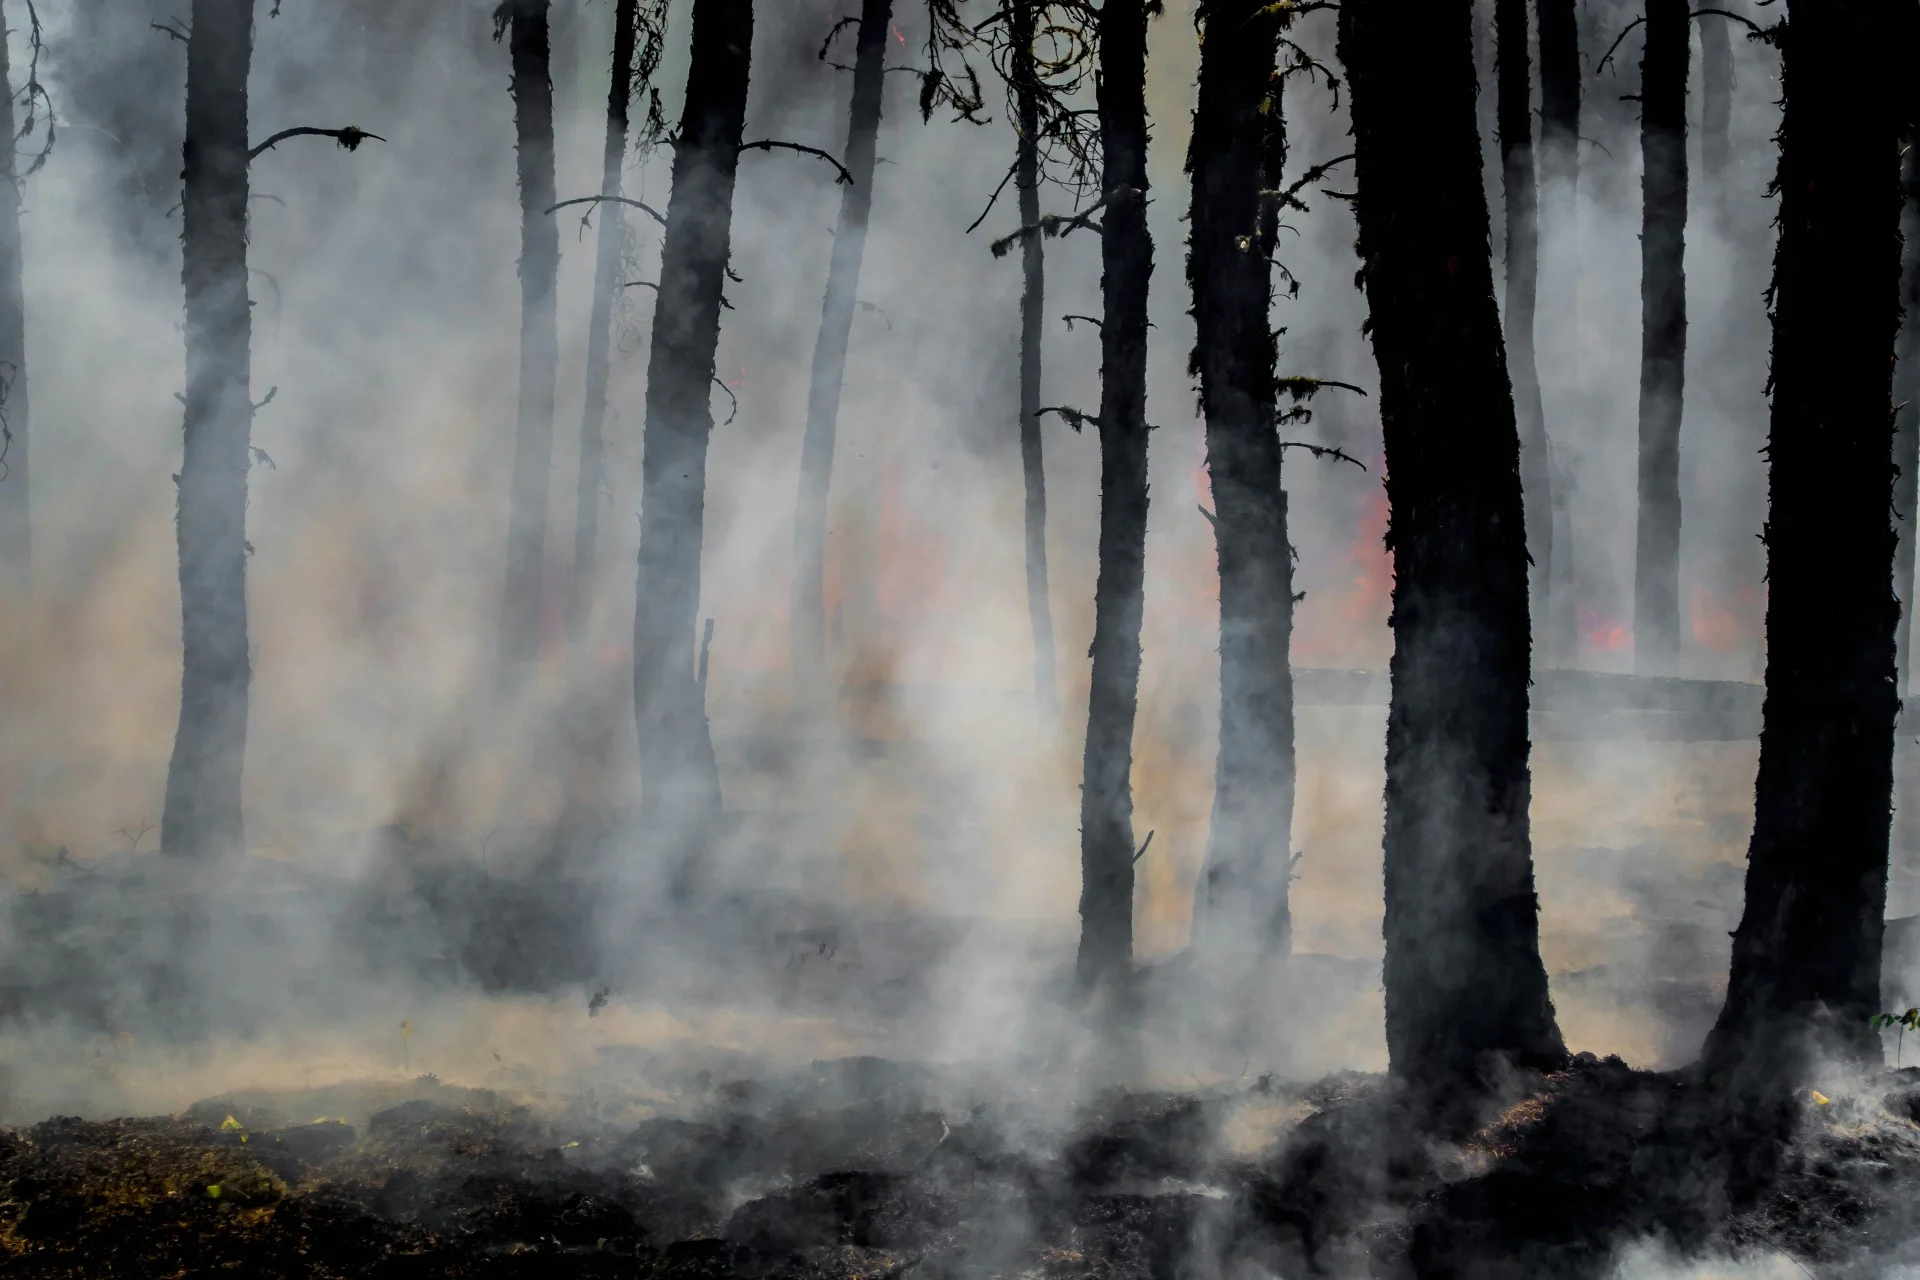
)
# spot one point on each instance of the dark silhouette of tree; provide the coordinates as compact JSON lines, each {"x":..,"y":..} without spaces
{"x":1126,"y":258}
{"x":202,"y":816}
{"x":1464,"y":981}
{"x":1805,"y":973}
{"x":1513,"y":71}
{"x":1237,"y":159}
{"x":681,"y":782}
{"x":1906,"y":399}
{"x":830,"y":356}
{"x":524,"y":23}
{"x":1559,"y":174}
{"x":1663,"y":334}
{"x":16,"y":524}
{"x":1716,"y":96}
{"x":1028,"y":98}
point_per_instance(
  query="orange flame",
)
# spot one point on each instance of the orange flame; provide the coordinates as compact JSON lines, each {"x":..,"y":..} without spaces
{"x":1600,"y":633}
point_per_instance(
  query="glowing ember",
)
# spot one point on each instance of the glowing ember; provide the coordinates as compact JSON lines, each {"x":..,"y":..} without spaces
{"x":1602,"y":634}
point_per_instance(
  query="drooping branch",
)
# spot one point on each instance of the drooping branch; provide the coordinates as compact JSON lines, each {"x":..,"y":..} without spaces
{"x":1289,"y":197}
{"x":1752,"y":26}
{"x":1092,"y":320}
{"x":1324,"y":451}
{"x":349,"y":138}
{"x":1055,"y":225}
{"x":767,"y":144}
{"x":1614,"y":48}
{"x":647,"y":209}
{"x":1072,"y":417}
{"x":734,"y":412}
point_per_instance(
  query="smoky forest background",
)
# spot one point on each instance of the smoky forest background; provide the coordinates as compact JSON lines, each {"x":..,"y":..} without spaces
{"x":1061,"y":638}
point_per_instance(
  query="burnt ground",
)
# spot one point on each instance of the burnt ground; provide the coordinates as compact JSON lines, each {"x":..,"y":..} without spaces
{"x":851,"y":1174}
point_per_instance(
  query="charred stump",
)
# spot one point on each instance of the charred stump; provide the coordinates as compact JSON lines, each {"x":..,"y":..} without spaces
{"x":1465,"y":987}
{"x":1236,"y":160}
{"x":1126,"y":258}
{"x":830,"y":357}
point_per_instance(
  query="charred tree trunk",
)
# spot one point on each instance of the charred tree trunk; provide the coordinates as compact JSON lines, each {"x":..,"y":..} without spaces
{"x":606,"y":288}
{"x":1716,"y":97}
{"x":1663,"y":335}
{"x":681,"y":781}
{"x":1559,"y":175}
{"x":202,"y":815}
{"x":830,"y":358}
{"x":1033,"y":298}
{"x":1240,"y":908}
{"x":1559,"y":95}
{"x":1126,"y":259}
{"x":1464,"y":981}
{"x":1906,"y":422}
{"x":1513,"y":71}
{"x":1805,"y":975}
{"x":525,"y":23}
{"x":16,"y":526}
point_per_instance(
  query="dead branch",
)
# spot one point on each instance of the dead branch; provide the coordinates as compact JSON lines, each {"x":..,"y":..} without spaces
{"x":1209,"y":516}
{"x":261,"y":458}
{"x":647,"y":209}
{"x":1055,"y":225}
{"x":868,"y":306}
{"x":1600,"y":66}
{"x":349,"y":138}
{"x":168,"y":29}
{"x":1289,"y":198}
{"x":1752,"y":26}
{"x":706,"y":648}
{"x":1307,"y":388}
{"x":767,"y":144}
{"x":1324,"y":451}
{"x":1144,"y":847}
{"x":1072,"y":417}
{"x":641,"y":284}
{"x":271,"y":393}
{"x":735,"y":411}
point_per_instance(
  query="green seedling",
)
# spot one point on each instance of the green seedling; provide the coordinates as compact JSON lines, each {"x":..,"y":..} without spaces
{"x":1903,"y":1022}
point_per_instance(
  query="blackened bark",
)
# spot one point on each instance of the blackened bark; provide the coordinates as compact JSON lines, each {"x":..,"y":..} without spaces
{"x":1559,"y":176}
{"x":1126,"y":258}
{"x":1033,"y":299}
{"x":202,"y":814}
{"x":1464,"y":981}
{"x":1663,"y":335}
{"x":830,"y":357}
{"x":606,"y":288}
{"x":1906,"y":422}
{"x":529,"y":44}
{"x":681,"y":781}
{"x":1716,"y":96}
{"x":16,"y":526}
{"x":1805,"y":974}
{"x":1559,"y":94}
{"x":1513,"y":68}
{"x":1240,"y":907}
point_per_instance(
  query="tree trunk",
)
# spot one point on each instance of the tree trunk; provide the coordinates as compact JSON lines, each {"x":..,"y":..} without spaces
{"x":1239,"y":149}
{"x":1805,"y":975}
{"x":1559,"y":175}
{"x":830,"y":358}
{"x":1464,"y":981}
{"x":681,"y":781}
{"x":1716,"y":97}
{"x":520,"y":601}
{"x":1906,"y":422}
{"x":202,"y":814}
{"x":16,"y":527}
{"x":1032,"y":306}
{"x":1663,"y":335}
{"x":606,"y":289}
{"x":1513,"y":72}
{"x":1126,"y":257}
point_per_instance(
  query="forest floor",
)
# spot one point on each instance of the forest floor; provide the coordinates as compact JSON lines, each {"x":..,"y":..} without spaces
{"x":858,"y":1169}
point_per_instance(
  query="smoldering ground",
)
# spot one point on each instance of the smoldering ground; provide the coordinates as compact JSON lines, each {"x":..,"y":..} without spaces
{"x":895,"y":888}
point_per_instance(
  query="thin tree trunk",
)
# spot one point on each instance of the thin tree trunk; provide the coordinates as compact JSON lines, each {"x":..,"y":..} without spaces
{"x":681,"y":781}
{"x":16,"y":526}
{"x":1805,"y":974}
{"x":202,"y":814}
{"x":1238,"y":150}
{"x":1663,"y":335}
{"x":520,"y":602}
{"x":1906,"y":422}
{"x":1716,"y":97}
{"x":606,"y":288}
{"x":1464,"y":981}
{"x":1559,"y":175}
{"x":1032,"y":306}
{"x":1126,"y":256}
{"x":830,"y":358}
{"x":1513,"y":72}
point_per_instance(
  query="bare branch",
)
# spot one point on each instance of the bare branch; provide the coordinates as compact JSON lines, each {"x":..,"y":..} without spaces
{"x":168,"y":29}
{"x":349,"y":138}
{"x":1094,"y":321}
{"x":647,"y":209}
{"x":735,"y":411}
{"x":1072,"y":417}
{"x":767,"y":144}
{"x":1055,"y":224}
{"x":641,"y":284}
{"x":1324,"y":451}
{"x":1601,"y":65}
{"x":1145,"y":845}
{"x":1753,"y":26}
{"x":994,"y":198}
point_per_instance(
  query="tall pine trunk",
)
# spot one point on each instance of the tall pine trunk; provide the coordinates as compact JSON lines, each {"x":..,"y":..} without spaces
{"x":830,"y":358}
{"x":1663,"y":335}
{"x":1239,"y":150}
{"x":202,"y":814}
{"x":1559,"y":175}
{"x":1716,"y":98}
{"x":1513,"y":68}
{"x":16,"y":526}
{"x":1906,"y":422}
{"x":681,"y":782}
{"x":1126,"y":257}
{"x":1805,"y":974}
{"x":606,"y":289}
{"x":529,"y":44}
{"x":1464,"y":982}
{"x":1033,"y":297}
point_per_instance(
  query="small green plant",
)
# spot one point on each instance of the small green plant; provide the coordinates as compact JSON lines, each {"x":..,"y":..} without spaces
{"x":1905,"y":1022}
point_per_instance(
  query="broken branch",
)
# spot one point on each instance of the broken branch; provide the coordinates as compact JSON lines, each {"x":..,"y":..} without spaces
{"x":349,"y":138}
